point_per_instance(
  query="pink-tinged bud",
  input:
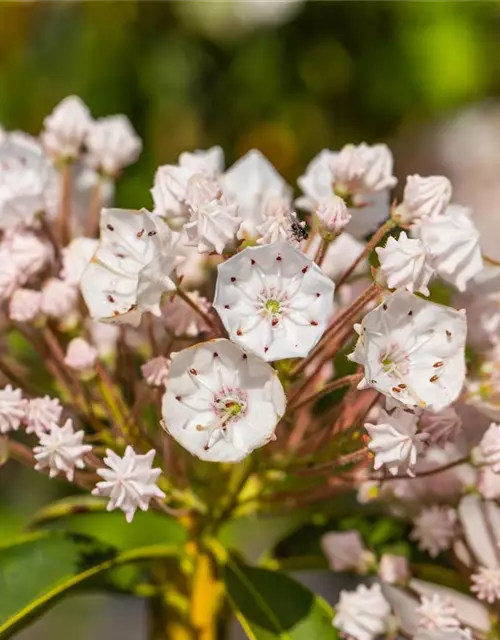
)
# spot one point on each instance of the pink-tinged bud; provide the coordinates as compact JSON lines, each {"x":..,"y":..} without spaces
{"x":333,"y":215}
{"x":66,"y":127}
{"x":80,"y":355}
{"x":393,"y":569}
{"x":24,"y":305}
{"x":112,"y":144}
{"x":155,"y":371}
{"x":58,"y":298}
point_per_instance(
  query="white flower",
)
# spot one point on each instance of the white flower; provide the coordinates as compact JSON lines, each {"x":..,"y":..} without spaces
{"x":131,"y":268}
{"x":250,"y":183}
{"x":489,"y":447}
{"x":434,"y":529}
{"x":41,"y":413}
{"x":59,"y":298}
{"x":66,"y":127}
{"x":280,"y":223}
{"x":156,"y":370}
{"x":28,"y":252}
{"x":213,"y":221}
{"x":333,"y":215}
{"x":437,"y":614}
{"x":452,"y":242}
{"x":393,"y":569}
{"x":26,"y":181}
{"x":395,"y":441}
{"x":442,"y":427}
{"x":424,"y":197}
{"x":61,"y":450}
{"x":404,"y":263}
{"x":486,"y":584}
{"x":319,"y":183}
{"x":274,"y":300}
{"x":181,"y":319}
{"x":413,"y":351}
{"x":129,"y":482}
{"x":362,"y":614}
{"x":75,"y":258}
{"x":12,"y":409}
{"x":24,"y":305}
{"x":363,"y":169}
{"x":221,"y":403}
{"x":345,"y":551}
{"x":80,"y":355}
{"x":170,"y":187}
{"x":112,"y":144}
{"x":9,"y":275}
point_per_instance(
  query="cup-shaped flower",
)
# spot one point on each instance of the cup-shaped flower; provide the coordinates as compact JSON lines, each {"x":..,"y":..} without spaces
{"x":61,"y":450}
{"x":452,"y":241}
{"x":250,"y":183}
{"x":27,"y":180}
{"x":128,"y":482}
{"x":274,"y":300}
{"x":413,"y":351}
{"x":131,"y":268}
{"x":220,"y":402}
{"x":404,"y":263}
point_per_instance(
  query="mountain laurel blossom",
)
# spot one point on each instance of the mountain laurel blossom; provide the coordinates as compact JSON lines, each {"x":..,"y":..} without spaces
{"x":274,"y":300}
{"x":61,"y":450}
{"x":362,"y":614}
{"x":424,"y":197}
{"x":220,"y":402}
{"x":434,"y":529}
{"x":12,"y":409}
{"x":404,"y":263}
{"x":413,"y":351}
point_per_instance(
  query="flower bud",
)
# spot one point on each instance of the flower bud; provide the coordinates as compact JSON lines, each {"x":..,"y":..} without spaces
{"x":424,"y":197}
{"x":333,"y":216}
{"x":393,"y":569}
{"x":80,"y":355}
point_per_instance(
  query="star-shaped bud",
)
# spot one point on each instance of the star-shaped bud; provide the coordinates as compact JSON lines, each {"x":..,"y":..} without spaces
{"x":362,"y":614}
{"x":452,"y":242}
{"x":413,"y":351}
{"x":424,"y":197}
{"x":41,"y":413}
{"x":12,"y":409}
{"x":435,"y":529}
{"x":129,"y":482}
{"x":221,"y":403}
{"x":274,"y":300}
{"x":213,"y":221}
{"x":131,"y":268}
{"x":363,"y":169}
{"x":66,"y":127}
{"x":112,"y":144}
{"x":404,"y":263}
{"x":61,"y":450}
{"x":395,"y":441}
{"x":281,"y":223}
{"x":437,"y":614}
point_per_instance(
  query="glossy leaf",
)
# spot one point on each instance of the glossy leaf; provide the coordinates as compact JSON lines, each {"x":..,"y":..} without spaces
{"x":88,"y":515}
{"x":272,"y":606}
{"x":37,"y":570}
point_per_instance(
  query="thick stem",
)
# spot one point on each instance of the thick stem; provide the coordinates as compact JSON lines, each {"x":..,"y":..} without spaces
{"x":370,"y":245}
{"x":321,"y":253}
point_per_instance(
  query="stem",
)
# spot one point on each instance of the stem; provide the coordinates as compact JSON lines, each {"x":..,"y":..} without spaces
{"x":332,"y":386}
{"x":65,"y":205}
{"x":423,"y":474}
{"x":492,"y":261}
{"x":95,"y":210}
{"x":370,"y":245}
{"x":207,"y":319}
{"x":321,"y":253}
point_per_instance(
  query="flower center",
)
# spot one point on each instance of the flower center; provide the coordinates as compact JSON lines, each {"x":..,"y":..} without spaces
{"x":273,"y":306}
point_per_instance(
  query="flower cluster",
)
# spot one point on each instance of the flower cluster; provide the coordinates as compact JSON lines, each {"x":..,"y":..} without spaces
{"x":214,"y":324}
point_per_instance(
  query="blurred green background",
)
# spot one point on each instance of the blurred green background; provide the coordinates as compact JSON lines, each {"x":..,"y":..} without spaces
{"x":290,"y":77}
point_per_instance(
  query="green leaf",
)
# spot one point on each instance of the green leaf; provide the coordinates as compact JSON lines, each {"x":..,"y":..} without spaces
{"x":88,"y":515}
{"x":272,"y":606}
{"x":38,"y":569}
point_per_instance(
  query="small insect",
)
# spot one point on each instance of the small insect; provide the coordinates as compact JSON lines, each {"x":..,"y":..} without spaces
{"x":298,"y":228}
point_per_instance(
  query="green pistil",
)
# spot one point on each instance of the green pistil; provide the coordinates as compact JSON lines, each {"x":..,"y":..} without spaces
{"x":273,"y":306}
